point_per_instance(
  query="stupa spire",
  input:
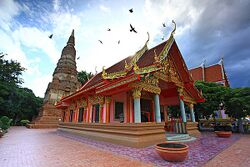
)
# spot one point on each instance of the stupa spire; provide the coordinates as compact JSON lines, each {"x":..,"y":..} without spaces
{"x":71,"y":39}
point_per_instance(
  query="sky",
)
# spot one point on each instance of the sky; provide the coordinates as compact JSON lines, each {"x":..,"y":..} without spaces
{"x":206,"y":31}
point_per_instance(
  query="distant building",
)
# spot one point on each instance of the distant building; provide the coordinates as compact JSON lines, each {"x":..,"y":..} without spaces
{"x":212,"y":73}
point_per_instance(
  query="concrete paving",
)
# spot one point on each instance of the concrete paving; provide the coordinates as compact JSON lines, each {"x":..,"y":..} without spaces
{"x":22,"y":147}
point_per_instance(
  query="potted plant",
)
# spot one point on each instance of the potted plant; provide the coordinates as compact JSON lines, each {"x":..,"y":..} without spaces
{"x":223,"y":130}
{"x":174,"y":152}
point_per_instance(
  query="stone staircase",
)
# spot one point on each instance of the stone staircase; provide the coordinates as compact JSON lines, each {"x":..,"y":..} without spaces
{"x":179,"y":138}
{"x":44,"y":122}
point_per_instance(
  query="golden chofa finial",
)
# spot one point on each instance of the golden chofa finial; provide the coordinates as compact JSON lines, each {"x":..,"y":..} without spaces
{"x":104,"y":74}
{"x":148,"y":37}
{"x":172,"y":33}
{"x":126,"y":65}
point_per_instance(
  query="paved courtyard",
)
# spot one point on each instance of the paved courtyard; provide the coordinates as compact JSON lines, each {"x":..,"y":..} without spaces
{"x":22,"y":147}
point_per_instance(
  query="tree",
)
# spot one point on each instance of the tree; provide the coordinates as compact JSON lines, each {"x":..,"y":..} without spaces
{"x":84,"y":76}
{"x":214,"y":95}
{"x":16,"y":102}
{"x":10,"y":71}
{"x":237,"y":103}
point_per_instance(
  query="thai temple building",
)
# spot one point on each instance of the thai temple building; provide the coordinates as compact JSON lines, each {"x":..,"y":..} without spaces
{"x":212,"y":73}
{"x":64,"y":83}
{"x":127,"y":102}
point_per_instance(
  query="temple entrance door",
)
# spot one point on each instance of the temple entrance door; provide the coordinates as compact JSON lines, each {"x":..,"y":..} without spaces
{"x":119,"y":115}
{"x":146,"y":110}
{"x":95,"y":113}
{"x":71,"y":116}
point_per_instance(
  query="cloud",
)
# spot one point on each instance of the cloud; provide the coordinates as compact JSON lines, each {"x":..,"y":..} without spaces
{"x":56,"y":5}
{"x":37,"y":39}
{"x":104,"y":9}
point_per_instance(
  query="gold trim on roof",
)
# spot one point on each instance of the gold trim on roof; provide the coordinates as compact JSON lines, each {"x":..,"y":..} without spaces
{"x":159,"y":60}
{"x":164,"y":52}
{"x":127,"y":66}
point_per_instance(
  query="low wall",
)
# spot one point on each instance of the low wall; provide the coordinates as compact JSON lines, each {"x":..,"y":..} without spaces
{"x":192,"y":129}
{"x":129,"y":134}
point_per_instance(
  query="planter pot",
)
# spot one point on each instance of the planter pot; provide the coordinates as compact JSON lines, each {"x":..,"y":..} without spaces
{"x":1,"y":133}
{"x":224,"y":134}
{"x":174,"y":152}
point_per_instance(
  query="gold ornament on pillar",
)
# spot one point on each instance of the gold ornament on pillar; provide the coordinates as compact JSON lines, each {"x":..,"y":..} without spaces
{"x":137,"y":93}
{"x":191,"y":105}
{"x":108,"y":99}
{"x":180,"y":91}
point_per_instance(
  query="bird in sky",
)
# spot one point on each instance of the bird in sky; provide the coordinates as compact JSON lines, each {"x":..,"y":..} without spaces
{"x":131,"y":10}
{"x":51,"y":36}
{"x":78,"y":58}
{"x":162,"y":38}
{"x":132,"y":29}
{"x":163,"y":24}
{"x":100,"y":41}
{"x":108,"y":29}
{"x":119,"y":42}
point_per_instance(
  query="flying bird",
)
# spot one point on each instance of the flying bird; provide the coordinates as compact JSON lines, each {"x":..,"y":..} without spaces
{"x":119,"y":42}
{"x":131,"y":10}
{"x":162,"y":38}
{"x":108,"y":29}
{"x":132,"y":29}
{"x":51,"y":36}
{"x":78,"y":58}
{"x":163,"y":24}
{"x":100,"y":41}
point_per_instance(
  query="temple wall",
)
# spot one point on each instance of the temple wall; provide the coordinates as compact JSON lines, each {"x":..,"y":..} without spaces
{"x":121,"y":97}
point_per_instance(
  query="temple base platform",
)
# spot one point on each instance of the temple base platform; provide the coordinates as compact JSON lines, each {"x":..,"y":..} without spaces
{"x":136,"y":135}
{"x":48,"y":117}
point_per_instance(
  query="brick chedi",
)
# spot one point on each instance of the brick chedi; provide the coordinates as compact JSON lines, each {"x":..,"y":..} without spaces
{"x":64,"y":82}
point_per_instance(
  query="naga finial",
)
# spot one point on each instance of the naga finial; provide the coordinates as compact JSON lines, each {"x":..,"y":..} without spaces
{"x":148,"y":37}
{"x":104,"y":74}
{"x":172,"y":33}
{"x":126,"y":65}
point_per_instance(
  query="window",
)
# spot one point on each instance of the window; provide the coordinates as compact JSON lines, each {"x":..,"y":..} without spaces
{"x":71,"y":116}
{"x":95,"y":113}
{"x":80,"y":115}
{"x":119,"y":111}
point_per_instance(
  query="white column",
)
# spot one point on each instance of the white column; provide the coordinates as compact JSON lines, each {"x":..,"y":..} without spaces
{"x":191,"y":106}
{"x":157,"y":108}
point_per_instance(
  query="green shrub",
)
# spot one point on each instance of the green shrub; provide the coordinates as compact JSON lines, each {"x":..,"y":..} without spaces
{"x":5,"y":122}
{"x":24,"y":122}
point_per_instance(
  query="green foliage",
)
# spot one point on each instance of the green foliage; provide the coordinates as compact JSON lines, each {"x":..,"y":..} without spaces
{"x":5,"y":122}
{"x":237,"y":102}
{"x":84,"y":76}
{"x":24,"y":122}
{"x":214,"y":95}
{"x":16,"y":102}
{"x":10,"y":71}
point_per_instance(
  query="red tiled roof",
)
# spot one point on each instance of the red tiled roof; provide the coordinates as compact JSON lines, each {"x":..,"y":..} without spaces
{"x":147,"y":59}
{"x":196,"y":74}
{"x":213,"y":73}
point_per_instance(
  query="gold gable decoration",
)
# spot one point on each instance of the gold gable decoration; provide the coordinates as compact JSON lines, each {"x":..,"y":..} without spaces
{"x":127,"y":67}
{"x":158,"y":64}
{"x":170,"y":40}
{"x":150,"y":84}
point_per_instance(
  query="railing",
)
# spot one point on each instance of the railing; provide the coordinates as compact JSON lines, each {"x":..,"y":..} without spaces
{"x":175,"y":126}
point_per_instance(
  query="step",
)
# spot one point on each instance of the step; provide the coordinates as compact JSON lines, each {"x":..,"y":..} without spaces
{"x":41,"y":126}
{"x":173,"y":137}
